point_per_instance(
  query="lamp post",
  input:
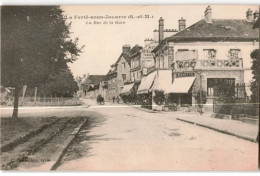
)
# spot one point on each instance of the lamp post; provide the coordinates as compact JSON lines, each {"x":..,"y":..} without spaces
{"x":193,"y":64}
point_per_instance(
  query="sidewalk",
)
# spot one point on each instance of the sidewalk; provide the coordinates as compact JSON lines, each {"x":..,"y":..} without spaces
{"x":231,"y":127}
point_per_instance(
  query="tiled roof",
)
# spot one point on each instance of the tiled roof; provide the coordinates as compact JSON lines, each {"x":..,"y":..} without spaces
{"x":218,"y":30}
{"x":110,"y":72}
{"x":127,"y":58}
{"x":94,"y":79}
{"x":135,"y":50}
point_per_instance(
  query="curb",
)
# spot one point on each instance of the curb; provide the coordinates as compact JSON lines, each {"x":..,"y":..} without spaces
{"x":143,"y":109}
{"x":221,"y":131}
{"x":68,"y":142}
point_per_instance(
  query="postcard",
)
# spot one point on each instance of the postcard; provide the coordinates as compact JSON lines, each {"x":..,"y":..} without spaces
{"x":130,"y":88}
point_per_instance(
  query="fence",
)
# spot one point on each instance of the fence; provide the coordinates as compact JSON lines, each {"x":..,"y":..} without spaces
{"x":45,"y":101}
{"x":234,"y":109}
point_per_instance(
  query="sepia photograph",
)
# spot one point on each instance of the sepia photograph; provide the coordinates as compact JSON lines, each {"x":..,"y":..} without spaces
{"x":130,"y":88}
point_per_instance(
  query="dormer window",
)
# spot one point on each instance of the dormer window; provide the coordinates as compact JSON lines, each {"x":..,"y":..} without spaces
{"x":234,"y":54}
{"x":210,"y":53}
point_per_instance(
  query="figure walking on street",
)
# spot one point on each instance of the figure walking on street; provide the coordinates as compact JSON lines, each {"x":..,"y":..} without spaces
{"x":114,"y":99}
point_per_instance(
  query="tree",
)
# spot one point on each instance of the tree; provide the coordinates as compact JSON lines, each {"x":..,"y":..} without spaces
{"x":159,"y":97}
{"x":62,"y":85}
{"x":255,"y":55}
{"x":200,"y":99}
{"x":36,"y":46}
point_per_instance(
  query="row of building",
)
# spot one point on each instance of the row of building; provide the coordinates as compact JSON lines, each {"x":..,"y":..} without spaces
{"x":181,"y":61}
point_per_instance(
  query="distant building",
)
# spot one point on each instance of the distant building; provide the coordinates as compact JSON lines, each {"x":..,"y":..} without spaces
{"x":90,"y":85}
{"x":119,"y":74}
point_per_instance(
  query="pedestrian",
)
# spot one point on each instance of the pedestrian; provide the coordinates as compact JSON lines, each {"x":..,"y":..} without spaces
{"x":117,"y":99}
{"x":114,"y":99}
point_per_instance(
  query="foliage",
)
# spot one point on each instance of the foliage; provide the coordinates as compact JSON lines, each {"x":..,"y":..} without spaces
{"x":145,"y":100}
{"x":36,"y":46}
{"x":255,"y":55}
{"x":226,"y":93}
{"x":129,"y":98}
{"x":203,"y":98}
{"x":159,"y":97}
{"x":62,"y":85}
{"x":100,"y":99}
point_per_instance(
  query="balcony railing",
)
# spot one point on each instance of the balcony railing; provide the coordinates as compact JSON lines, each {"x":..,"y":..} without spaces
{"x":215,"y":64}
{"x":209,"y":64}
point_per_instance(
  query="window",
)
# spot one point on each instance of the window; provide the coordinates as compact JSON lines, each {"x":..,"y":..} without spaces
{"x":210,"y":53}
{"x":123,"y":65}
{"x":234,"y":54}
{"x":124,"y":77}
{"x":132,"y":77}
{"x":214,"y":84}
{"x":185,"y":54}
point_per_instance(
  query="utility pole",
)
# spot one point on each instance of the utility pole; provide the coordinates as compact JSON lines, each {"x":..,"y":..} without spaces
{"x":35,"y":95}
{"x":201,"y":103}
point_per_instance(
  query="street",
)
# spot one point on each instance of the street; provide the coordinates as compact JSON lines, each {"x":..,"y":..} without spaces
{"x":121,"y":137}
{"x":129,"y":139}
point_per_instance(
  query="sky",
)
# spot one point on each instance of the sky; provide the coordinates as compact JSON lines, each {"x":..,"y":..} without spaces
{"x":103,"y":42}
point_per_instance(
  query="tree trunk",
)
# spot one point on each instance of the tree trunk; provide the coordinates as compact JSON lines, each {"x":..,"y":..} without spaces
{"x":16,"y":100}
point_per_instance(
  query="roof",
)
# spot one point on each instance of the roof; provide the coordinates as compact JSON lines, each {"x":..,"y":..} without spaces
{"x":218,"y":30}
{"x":110,"y":72}
{"x":135,"y":50}
{"x":127,"y":58}
{"x":94,"y":79}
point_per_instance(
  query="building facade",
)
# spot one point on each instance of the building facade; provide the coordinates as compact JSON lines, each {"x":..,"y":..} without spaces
{"x":90,"y":85}
{"x":212,"y":51}
{"x":119,"y":73}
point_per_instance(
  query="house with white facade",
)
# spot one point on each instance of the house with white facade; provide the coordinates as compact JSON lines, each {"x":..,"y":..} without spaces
{"x":204,"y":55}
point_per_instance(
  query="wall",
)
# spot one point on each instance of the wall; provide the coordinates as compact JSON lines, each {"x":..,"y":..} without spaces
{"x":112,"y":86}
{"x":136,"y":75}
{"x":222,"y":52}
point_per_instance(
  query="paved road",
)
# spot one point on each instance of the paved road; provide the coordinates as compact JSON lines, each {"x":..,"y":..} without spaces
{"x":125,"y":138}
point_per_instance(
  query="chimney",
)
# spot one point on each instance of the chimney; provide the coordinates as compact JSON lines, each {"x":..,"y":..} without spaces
{"x":161,"y":28}
{"x":256,"y":15}
{"x":156,"y":35}
{"x":249,"y":15}
{"x":126,"y":49}
{"x":182,"y":24}
{"x":208,"y":14}
{"x":148,"y":41}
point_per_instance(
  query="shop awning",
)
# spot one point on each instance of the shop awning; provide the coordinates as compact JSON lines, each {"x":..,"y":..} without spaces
{"x":181,"y":85}
{"x":127,"y":89}
{"x":146,"y":83}
{"x":163,"y":80}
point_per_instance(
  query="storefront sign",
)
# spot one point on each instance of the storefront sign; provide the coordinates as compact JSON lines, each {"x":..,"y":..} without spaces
{"x":184,"y":74}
